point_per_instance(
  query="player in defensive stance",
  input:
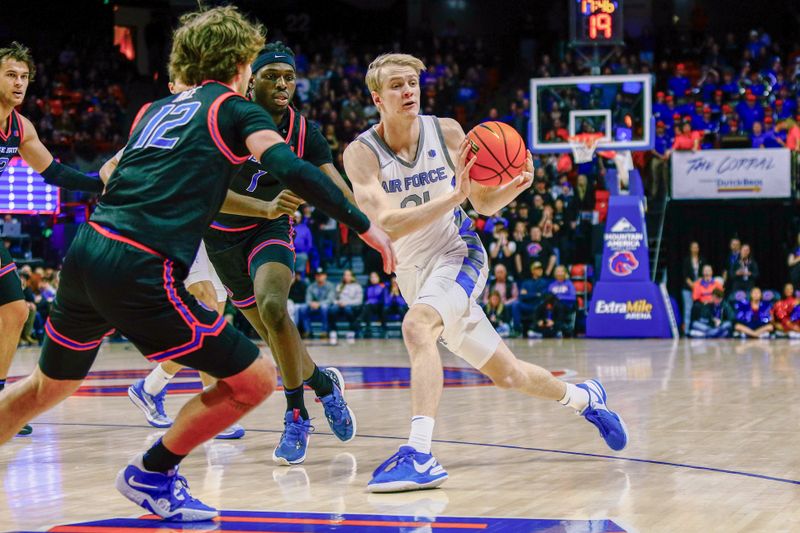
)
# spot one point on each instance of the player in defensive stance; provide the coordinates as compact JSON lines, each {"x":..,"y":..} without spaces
{"x":402,"y":172}
{"x":125,"y":268}
{"x":255,"y":260}
{"x":18,"y":137}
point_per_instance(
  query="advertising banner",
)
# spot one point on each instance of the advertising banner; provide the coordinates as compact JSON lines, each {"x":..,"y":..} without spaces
{"x":731,"y":174}
{"x":625,"y":252}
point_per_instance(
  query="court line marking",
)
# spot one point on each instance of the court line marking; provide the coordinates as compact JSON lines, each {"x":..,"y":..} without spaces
{"x":485,"y":445}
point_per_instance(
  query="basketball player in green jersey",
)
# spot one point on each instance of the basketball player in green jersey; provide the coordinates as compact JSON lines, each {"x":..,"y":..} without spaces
{"x":18,"y":137}
{"x":126,"y":266}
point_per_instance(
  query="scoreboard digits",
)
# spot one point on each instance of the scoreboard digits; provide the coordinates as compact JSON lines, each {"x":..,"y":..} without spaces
{"x":596,"y":22}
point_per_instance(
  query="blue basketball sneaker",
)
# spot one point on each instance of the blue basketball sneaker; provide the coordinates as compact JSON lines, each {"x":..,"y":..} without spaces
{"x":25,"y":431}
{"x":151,"y":405}
{"x":610,"y":424}
{"x":291,"y":449}
{"x":408,"y":469}
{"x":166,"y":495}
{"x":236,"y":431}
{"x":340,"y":416}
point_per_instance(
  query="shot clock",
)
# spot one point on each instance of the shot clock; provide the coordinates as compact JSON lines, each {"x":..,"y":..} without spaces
{"x":595,"y":22}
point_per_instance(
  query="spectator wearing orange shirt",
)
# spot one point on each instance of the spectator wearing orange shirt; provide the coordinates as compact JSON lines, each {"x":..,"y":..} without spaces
{"x":792,"y":133}
{"x":687,"y":139}
{"x":704,"y":286}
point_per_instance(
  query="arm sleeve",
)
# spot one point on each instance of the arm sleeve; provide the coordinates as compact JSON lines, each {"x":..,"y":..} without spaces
{"x":317,"y":151}
{"x":313,"y":185}
{"x":68,"y":178}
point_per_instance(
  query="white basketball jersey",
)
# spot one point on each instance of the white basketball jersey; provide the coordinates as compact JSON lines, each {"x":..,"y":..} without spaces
{"x":408,"y":184}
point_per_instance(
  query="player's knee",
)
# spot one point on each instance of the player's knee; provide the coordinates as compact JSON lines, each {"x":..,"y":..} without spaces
{"x":13,"y":317}
{"x":272,"y":309}
{"x":256,"y":383}
{"x":508,"y":377}
{"x":416,"y":330}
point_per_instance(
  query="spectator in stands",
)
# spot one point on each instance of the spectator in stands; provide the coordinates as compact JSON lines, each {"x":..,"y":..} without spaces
{"x":347,"y":305}
{"x":497,"y":313}
{"x":702,"y":289}
{"x":687,"y":139}
{"x":792,"y":133}
{"x":745,"y":272}
{"x":735,"y":247}
{"x":549,"y":319}
{"x":303,"y":244}
{"x":519,"y":237}
{"x":395,"y":305}
{"x":659,"y":162}
{"x":715,"y":318}
{"x":320,"y":296}
{"x":297,"y":297}
{"x":563,"y":288}
{"x":584,"y":194}
{"x":794,"y":263}
{"x":374,"y":301}
{"x":753,"y":318}
{"x":786,"y":313}
{"x":502,"y":285}
{"x":502,"y":249}
{"x":691,"y":270}
{"x":536,"y":249}
{"x":531,"y":294}
{"x":26,"y":336}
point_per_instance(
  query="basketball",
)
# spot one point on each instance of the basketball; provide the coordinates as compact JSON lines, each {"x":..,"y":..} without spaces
{"x":500,"y":152}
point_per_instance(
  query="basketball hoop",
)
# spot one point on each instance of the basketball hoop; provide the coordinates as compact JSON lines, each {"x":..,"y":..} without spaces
{"x":583,"y":146}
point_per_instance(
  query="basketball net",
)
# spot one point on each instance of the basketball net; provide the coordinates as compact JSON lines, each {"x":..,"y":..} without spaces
{"x":583,"y":146}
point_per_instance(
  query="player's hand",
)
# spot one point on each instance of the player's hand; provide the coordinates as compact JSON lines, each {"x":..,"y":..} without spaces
{"x":463,"y":167}
{"x":286,"y":203}
{"x":376,"y":238}
{"x":525,"y":179}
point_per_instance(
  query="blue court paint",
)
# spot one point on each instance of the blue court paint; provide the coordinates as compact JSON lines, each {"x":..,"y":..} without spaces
{"x":257,"y":521}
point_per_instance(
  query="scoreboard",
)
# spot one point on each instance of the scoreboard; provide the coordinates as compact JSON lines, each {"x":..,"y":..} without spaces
{"x":24,"y":192}
{"x":596,"y":22}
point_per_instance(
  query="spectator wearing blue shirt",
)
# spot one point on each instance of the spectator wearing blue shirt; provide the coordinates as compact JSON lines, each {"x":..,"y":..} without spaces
{"x":659,"y":162}
{"x":749,"y":112}
{"x":374,"y":303}
{"x":679,"y":83}
{"x":531,"y":294}
{"x":729,"y":85}
{"x":563,"y":288}
{"x":303,"y":244}
{"x":753,"y":318}
{"x":772,"y":138}
{"x":394,"y":304}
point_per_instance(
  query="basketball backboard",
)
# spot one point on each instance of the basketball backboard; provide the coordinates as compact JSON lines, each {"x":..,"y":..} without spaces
{"x":619,"y":107}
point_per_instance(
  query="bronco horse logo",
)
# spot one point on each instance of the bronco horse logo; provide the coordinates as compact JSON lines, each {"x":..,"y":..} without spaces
{"x":623,"y":263}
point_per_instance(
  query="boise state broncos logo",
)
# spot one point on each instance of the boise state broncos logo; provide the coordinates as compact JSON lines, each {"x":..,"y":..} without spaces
{"x":534,"y":249}
{"x":623,"y":263}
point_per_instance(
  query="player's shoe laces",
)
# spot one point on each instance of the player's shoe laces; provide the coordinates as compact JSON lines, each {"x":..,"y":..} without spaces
{"x":408,"y":469}
{"x":340,"y":416}
{"x":291,"y":449}
{"x":166,"y":495}
{"x":610,"y":424}
{"x":151,"y":405}
{"x":25,"y":431}
{"x":235,"y":431}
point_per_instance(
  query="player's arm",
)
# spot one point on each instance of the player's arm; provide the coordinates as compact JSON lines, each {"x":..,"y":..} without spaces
{"x":486,"y":200}
{"x":318,"y":152}
{"x":41,"y":160}
{"x":338,"y":180}
{"x":363,"y":169}
{"x":110,"y":166}
{"x":286,"y":203}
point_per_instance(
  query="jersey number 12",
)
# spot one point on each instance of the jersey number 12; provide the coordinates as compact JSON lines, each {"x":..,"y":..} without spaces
{"x":167,"y":118}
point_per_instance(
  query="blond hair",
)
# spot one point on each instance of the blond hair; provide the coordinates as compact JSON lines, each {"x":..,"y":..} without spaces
{"x":212,"y":44}
{"x":19,"y":52}
{"x":374,"y":77}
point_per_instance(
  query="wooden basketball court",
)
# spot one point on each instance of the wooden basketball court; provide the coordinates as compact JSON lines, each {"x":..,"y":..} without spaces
{"x":713,"y":447}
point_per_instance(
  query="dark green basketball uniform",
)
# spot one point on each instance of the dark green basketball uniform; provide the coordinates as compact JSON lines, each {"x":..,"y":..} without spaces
{"x":237,"y":245}
{"x":125,"y":269}
{"x":10,"y":139}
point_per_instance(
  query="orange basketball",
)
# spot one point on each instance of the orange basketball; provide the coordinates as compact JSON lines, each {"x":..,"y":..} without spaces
{"x":500,"y":151}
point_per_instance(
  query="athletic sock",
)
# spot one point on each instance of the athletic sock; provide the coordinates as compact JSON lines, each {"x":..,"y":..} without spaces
{"x":294,"y":400}
{"x":2,"y":383}
{"x":575,"y":397}
{"x":160,"y":459}
{"x":421,"y":433}
{"x":320,"y":382}
{"x":156,"y":380}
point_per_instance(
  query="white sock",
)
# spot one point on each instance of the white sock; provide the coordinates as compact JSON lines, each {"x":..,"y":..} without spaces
{"x":156,"y":381}
{"x":575,"y":397}
{"x":421,"y":433}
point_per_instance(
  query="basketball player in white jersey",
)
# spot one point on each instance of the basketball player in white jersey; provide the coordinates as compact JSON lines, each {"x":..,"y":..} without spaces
{"x":410,"y":176}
